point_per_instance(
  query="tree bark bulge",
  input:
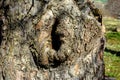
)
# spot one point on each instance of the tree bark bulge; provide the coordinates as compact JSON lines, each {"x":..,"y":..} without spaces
{"x":50,"y":40}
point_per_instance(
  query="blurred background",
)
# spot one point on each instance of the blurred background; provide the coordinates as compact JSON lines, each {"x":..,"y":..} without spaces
{"x":111,"y":20}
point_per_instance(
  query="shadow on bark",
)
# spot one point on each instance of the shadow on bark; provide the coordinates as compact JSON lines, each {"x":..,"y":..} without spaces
{"x":1,"y":22}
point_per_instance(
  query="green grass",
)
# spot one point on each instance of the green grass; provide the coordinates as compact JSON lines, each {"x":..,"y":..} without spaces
{"x":112,"y":65}
{"x":113,"y":41}
{"x":111,"y":24}
{"x":112,"y":61}
{"x":110,"y":21}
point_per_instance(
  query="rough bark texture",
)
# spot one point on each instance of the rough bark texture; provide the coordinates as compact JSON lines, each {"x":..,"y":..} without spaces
{"x":50,"y":40}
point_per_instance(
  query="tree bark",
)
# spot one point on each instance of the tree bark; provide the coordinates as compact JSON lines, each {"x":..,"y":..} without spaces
{"x":50,"y":40}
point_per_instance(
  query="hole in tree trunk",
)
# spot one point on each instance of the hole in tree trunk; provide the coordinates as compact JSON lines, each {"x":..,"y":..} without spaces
{"x":56,"y":42}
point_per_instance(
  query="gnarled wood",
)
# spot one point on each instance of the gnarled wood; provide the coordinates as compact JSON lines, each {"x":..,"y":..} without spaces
{"x":50,"y":40}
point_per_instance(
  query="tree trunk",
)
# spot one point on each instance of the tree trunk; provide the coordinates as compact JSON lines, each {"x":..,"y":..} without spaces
{"x":50,"y":40}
